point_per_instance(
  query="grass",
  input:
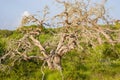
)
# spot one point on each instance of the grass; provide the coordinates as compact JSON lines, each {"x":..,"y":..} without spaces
{"x":98,"y":63}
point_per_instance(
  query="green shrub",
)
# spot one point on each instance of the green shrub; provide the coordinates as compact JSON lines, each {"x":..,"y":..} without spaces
{"x":23,"y":71}
{"x":5,"y":33}
{"x":16,"y":35}
{"x":3,"y":44}
{"x":112,"y":51}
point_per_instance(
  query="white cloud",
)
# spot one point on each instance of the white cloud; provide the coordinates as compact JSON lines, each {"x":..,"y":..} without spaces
{"x":26,"y":14}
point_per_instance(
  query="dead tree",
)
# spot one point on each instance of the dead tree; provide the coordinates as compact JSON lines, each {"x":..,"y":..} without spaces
{"x":53,"y":58}
{"x":28,"y":18}
{"x":80,"y":20}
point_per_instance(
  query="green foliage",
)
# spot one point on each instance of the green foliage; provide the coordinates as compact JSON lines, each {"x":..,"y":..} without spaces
{"x":3,"y":43}
{"x":23,"y":71}
{"x":5,"y":33}
{"x":117,"y":25}
{"x":34,"y":51}
{"x":26,"y":29}
{"x":44,"y":37}
{"x":16,"y":35}
{"x":74,"y":67}
{"x":2,"y":50}
{"x":93,"y":63}
{"x":112,"y":52}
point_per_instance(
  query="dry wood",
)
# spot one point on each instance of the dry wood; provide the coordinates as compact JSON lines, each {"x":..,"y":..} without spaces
{"x":80,"y":19}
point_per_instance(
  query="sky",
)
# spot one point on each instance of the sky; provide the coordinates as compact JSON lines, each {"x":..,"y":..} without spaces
{"x":12,"y":10}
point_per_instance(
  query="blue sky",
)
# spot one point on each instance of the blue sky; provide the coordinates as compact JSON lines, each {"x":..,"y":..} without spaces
{"x":11,"y":10}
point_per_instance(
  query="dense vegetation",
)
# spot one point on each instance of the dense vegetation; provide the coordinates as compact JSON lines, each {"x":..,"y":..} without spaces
{"x":99,"y":63}
{"x":80,"y":49}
